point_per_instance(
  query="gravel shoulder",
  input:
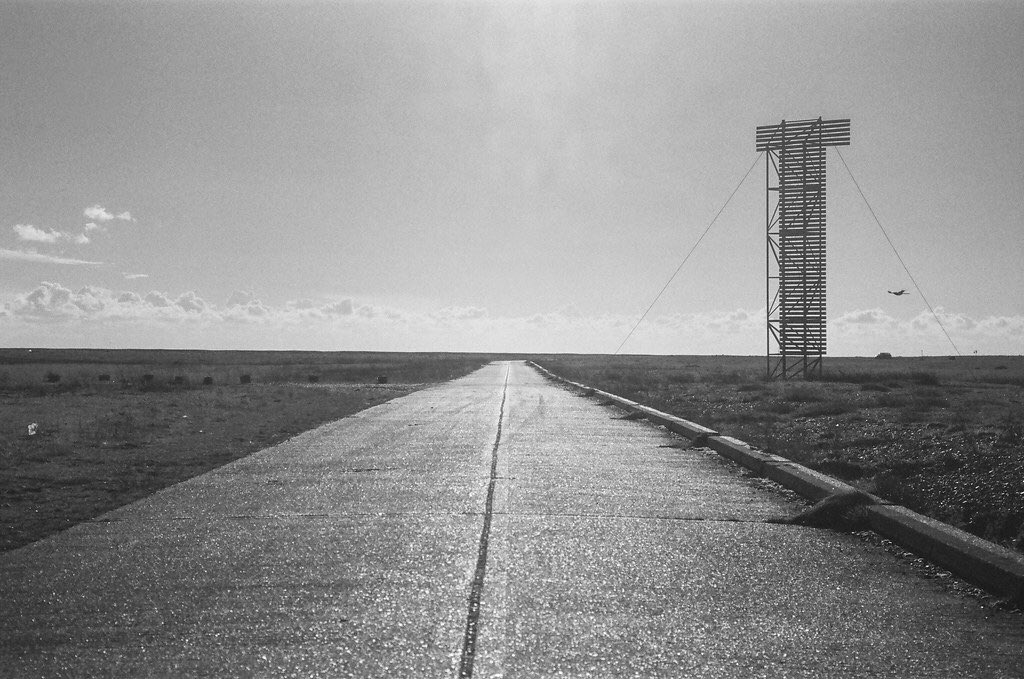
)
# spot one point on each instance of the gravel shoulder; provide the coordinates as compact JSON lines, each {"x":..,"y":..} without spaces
{"x":942,"y":437}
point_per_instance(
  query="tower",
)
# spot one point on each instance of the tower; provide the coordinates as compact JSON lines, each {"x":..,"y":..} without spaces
{"x":795,"y":252}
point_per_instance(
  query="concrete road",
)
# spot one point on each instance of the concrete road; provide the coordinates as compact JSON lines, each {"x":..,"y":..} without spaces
{"x":493,"y":526}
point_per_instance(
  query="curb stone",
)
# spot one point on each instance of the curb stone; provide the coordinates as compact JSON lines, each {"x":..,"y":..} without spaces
{"x":995,"y":568}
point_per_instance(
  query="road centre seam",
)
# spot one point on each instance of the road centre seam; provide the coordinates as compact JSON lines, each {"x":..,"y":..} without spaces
{"x":477,"y":587}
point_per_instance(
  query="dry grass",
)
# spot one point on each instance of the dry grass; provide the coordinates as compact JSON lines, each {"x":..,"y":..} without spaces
{"x":101,"y":444}
{"x":943,"y":437}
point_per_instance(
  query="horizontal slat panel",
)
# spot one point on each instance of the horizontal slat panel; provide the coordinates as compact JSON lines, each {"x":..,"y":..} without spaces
{"x":816,"y":133}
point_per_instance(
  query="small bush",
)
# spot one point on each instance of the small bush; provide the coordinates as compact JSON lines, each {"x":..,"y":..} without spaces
{"x":245,"y":379}
{"x":874,"y":386}
{"x":207,"y":380}
{"x":884,"y":355}
{"x":313,"y":378}
{"x":52,"y":378}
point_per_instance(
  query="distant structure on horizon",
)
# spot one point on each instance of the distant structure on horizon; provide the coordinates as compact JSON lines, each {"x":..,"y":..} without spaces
{"x":795,"y":253}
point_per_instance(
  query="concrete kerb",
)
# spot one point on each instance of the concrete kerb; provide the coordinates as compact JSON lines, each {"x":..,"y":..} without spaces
{"x":986,"y":564}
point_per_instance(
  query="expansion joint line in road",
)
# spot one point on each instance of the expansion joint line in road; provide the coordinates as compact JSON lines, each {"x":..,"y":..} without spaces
{"x":477,"y":588}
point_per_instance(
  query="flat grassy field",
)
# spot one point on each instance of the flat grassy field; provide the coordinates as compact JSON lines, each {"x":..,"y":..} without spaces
{"x":110,"y":427}
{"x":943,"y":437}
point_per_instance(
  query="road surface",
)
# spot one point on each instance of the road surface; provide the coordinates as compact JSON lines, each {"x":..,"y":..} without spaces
{"x":494,"y":526}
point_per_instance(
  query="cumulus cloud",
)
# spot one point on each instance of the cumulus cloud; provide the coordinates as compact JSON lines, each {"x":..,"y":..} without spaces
{"x":30,"y":256}
{"x":241,"y":298}
{"x":53,"y":301}
{"x":99,"y":216}
{"x":449,"y":314}
{"x":340,"y":308}
{"x":245,"y":304}
{"x":244,"y":321}
{"x":191,"y":302}
{"x":34,"y":234}
{"x":158,"y":299}
{"x":97,"y":213}
{"x":865,"y":317}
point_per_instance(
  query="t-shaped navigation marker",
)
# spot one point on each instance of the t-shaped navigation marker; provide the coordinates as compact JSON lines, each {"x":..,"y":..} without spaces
{"x":795,"y":257}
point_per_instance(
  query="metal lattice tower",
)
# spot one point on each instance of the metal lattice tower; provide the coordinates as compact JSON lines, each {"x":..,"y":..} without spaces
{"x":795,"y":257}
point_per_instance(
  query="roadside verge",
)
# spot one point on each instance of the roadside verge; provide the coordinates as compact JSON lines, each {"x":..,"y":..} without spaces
{"x":983,"y":563}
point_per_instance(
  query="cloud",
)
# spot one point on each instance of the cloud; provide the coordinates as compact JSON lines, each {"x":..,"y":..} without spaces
{"x":865,"y":317}
{"x":135,"y":276}
{"x":55,"y":302}
{"x":97,"y":213}
{"x":341,"y":308}
{"x":93,"y":226}
{"x":29,"y":256}
{"x":158,"y":299}
{"x":28,"y":232}
{"x":449,"y":314}
{"x":34,"y":234}
{"x":162,"y":318}
{"x":241,"y":298}
{"x":241,"y":304}
{"x":191,"y":302}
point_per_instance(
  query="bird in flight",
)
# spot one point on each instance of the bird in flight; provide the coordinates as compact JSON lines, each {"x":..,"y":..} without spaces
{"x":897,"y":292}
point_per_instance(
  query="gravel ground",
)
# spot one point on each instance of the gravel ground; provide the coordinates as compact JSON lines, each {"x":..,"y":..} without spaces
{"x":944,"y":438}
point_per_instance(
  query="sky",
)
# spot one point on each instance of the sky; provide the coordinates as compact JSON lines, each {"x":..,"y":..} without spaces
{"x":502,"y":176}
